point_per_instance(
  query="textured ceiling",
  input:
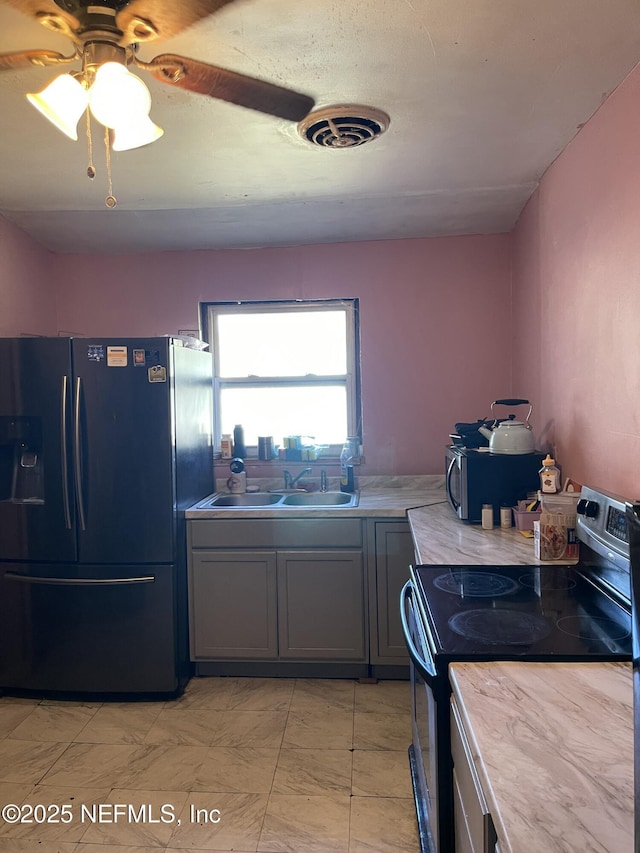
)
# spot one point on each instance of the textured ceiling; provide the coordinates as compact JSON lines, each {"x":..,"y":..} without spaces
{"x":482,"y":95}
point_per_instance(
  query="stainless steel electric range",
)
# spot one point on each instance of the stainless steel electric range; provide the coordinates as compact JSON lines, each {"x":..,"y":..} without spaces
{"x":525,"y":613}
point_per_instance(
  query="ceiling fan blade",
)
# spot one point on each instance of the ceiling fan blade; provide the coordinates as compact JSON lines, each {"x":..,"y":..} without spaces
{"x":229,"y":86}
{"x":165,"y":18}
{"x":28,"y":58}
{"x":38,"y":8}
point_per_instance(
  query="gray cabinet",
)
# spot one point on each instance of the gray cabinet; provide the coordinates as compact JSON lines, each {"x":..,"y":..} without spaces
{"x":390,"y":555}
{"x":321,"y":605}
{"x":474,"y":829}
{"x":233,"y":606}
{"x":277,"y":590}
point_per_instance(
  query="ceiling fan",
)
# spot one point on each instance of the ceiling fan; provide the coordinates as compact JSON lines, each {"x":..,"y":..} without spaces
{"x":104,"y":30}
{"x":106,"y":35}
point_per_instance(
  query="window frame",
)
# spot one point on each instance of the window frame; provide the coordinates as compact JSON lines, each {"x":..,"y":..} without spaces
{"x":210,"y":311}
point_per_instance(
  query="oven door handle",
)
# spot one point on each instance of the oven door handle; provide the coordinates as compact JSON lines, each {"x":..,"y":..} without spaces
{"x":426,"y":668}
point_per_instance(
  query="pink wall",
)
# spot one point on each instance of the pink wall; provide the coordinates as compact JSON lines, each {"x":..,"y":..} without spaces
{"x":442,"y":334}
{"x":576,"y":274}
{"x":435,"y":321}
{"x":438,"y":316}
{"x":27,"y":288}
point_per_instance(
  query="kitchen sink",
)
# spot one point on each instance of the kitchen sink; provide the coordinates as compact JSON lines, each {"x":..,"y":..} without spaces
{"x":248,"y":499}
{"x":280,"y":500}
{"x":320,"y":499}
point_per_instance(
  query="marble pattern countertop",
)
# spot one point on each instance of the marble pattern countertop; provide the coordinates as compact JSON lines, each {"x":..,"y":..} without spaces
{"x":380,"y":497}
{"x":553,"y":748}
{"x":440,"y":537}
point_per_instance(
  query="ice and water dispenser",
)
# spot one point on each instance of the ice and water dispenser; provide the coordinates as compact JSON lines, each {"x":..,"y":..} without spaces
{"x":21,"y":462}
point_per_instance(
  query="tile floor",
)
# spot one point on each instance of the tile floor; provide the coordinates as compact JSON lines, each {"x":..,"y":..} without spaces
{"x":291,"y":765}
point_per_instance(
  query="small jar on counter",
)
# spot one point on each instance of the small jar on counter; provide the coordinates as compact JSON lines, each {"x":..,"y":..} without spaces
{"x":505,"y":516}
{"x":487,"y":517}
{"x":226,"y":446}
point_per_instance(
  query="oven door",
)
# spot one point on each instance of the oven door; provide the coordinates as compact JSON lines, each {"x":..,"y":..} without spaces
{"x":430,"y":767}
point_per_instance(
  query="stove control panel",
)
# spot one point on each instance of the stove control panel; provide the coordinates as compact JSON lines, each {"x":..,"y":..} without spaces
{"x":617,"y":524}
{"x":602,"y":524}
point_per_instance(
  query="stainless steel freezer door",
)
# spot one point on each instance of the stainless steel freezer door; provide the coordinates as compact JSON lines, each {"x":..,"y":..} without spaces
{"x":35,"y":445}
{"x":88,"y":629}
{"x":124,"y":451}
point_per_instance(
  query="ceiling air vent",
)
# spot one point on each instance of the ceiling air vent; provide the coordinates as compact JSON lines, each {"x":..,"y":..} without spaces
{"x":343,"y":126}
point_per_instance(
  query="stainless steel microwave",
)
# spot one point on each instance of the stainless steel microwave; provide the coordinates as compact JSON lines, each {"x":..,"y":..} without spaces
{"x":475,"y":477}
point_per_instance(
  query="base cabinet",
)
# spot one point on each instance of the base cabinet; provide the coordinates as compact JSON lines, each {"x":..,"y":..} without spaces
{"x":233,"y":608}
{"x":283,"y":603}
{"x":390,"y":555}
{"x":277,"y":591}
{"x":474,"y":829}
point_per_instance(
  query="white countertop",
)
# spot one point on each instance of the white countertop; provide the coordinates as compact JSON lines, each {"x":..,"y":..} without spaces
{"x":440,"y":537}
{"x":553,"y":748}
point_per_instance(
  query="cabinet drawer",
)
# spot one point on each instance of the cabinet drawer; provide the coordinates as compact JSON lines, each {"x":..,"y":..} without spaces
{"x":469,"y":796}
{"x":276,"y":533}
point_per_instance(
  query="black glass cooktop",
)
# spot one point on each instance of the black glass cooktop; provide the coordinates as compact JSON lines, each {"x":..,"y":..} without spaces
{"x":510,"y":612}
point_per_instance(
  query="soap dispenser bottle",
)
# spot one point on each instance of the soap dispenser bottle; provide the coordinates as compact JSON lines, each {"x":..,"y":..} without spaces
{"x":350,"y":452}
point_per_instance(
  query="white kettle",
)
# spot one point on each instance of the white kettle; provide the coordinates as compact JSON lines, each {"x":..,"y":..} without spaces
{"x":510,"y":435}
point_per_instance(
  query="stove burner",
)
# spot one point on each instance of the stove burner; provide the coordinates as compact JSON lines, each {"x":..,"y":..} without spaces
{"x":476,"y":584}
{"x":549,"y":577}
{"x":592,"y":628}
{"x":500,"y":627}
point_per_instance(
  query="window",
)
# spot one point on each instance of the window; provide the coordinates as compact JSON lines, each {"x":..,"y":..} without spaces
{"x":286,"y":368}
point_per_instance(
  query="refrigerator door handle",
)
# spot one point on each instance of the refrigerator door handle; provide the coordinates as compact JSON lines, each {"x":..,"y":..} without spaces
{"x":14,"y":576}
{"x":77,"y":450}
{"x":63,"y":450}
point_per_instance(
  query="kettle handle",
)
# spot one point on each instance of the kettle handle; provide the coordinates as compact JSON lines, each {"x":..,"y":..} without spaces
{"x":516,"y":401}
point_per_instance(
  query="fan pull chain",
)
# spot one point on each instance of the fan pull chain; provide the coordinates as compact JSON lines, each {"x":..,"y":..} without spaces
{"x":91,"y":169}
{"x":110,"y":200}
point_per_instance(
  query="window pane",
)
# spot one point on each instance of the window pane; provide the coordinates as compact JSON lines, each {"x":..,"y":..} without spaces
{"x":282,"y":344}
{"x":319,"y":411}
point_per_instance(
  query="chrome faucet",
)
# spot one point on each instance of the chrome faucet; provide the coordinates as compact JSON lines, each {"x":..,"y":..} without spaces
{"x":323,"y":480}
{"x":289,"y":481}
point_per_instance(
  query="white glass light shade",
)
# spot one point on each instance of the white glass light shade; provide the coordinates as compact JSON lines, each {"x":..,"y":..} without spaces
{"x":63,"y":101}
{"x":135,"y":134}
{"x":118,"y":97}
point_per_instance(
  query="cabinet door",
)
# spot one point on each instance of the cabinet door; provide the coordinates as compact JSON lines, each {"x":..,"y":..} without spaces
{"x":474,"y":827}
{"x":321,"y":605}
{"x":393,"y":556}
{"x":233,"y":605}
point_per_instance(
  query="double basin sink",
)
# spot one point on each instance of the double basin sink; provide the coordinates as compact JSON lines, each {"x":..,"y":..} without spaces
{"x":280,"y":500}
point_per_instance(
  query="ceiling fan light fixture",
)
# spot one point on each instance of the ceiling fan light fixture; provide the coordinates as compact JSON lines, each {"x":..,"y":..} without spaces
{"x":63,"y":101}
{"x":118,"y":97}
{"x":136,"y":134}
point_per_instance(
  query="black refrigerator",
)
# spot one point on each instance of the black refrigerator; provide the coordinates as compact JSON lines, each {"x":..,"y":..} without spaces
{"x":103,"y":445}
